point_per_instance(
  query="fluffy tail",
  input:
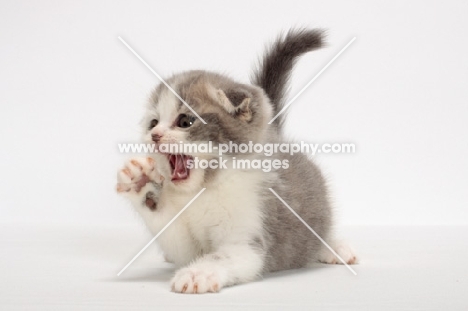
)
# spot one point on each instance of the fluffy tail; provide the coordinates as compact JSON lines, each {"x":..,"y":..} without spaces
{"x":275,"y":68}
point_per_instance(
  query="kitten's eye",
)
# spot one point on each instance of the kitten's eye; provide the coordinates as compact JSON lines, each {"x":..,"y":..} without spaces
{"x":185,"y":121}
{"x":153,"y":123}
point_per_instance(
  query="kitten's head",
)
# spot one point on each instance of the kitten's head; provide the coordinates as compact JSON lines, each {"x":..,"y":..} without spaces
{"x":233,"y":112}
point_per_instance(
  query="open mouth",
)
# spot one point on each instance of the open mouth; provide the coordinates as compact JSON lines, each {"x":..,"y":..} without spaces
{"x":179,"y":166}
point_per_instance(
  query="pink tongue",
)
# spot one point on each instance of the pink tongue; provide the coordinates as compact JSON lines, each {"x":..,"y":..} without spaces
{"x":180,"y":169}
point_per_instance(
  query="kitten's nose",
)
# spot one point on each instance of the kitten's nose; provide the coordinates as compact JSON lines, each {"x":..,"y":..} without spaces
{"x":156,"y":137}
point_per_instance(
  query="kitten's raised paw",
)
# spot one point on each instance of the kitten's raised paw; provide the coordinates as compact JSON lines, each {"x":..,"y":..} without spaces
{"x":136,"y":174}
{"x":194,"y":281}
{"x":343,"y":250}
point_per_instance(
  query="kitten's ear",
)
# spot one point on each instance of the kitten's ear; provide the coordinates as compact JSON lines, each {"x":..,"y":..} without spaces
{"x":236,"y":102}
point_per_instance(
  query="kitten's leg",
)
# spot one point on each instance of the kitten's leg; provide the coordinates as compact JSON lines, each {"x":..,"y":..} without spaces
{"x":342,"y":249}
{"x":231,"y":264}
{"x":140,"y":182}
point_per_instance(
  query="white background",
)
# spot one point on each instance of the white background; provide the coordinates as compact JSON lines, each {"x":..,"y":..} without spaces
{"x":70,"y":91}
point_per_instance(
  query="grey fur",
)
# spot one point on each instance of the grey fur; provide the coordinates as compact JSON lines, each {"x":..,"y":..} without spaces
{"x":221,"y":126}
{"x":285,"y":242}
{"x":289,"y":244}
{"x":275,"y":68}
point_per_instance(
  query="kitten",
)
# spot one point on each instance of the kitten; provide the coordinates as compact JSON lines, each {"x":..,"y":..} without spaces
{"x":236,"y":230}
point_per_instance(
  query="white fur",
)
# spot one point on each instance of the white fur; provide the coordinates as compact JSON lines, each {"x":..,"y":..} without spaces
{"x":210,"y":240}
{"x":212,"y":236}
{"x":166,"y":115}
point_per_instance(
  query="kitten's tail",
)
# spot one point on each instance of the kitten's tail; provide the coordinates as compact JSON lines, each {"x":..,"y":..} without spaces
{"x":275,"y":68}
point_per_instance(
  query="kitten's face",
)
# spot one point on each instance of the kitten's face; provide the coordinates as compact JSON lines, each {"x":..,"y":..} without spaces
{"x":232,"y":112}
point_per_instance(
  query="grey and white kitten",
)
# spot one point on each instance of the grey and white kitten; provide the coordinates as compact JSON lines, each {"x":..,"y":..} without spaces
{"x":236,"y":230}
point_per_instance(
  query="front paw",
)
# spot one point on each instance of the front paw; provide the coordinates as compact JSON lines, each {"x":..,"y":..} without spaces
{"x":195,"y":281}
{"x":140,"y":180}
